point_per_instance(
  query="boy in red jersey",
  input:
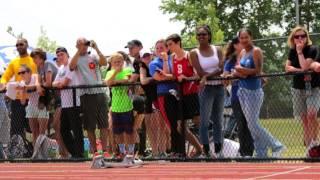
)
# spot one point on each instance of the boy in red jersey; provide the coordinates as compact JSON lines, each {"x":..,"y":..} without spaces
{"x":183,"y":71}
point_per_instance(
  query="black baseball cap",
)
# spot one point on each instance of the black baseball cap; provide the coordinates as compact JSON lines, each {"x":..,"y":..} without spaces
{"x":134,"y":42}
{"x":61,"y":49}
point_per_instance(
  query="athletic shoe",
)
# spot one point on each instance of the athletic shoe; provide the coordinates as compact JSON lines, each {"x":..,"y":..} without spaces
{"x":128,"y":159}
{"x":107,"y":155}
{"x":98,"y":162}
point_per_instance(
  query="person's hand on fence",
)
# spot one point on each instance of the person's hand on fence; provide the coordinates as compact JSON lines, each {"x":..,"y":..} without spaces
{"x":181,"y":78}
{"x":203,"y":81}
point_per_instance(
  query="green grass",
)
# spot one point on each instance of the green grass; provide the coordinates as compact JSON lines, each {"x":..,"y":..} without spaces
{"x":289,"y":132}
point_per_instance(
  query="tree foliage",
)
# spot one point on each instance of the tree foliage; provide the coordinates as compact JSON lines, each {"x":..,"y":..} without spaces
{"x":12,"y":33}
{"x":265,"y":18}
{"x":45,"y":43}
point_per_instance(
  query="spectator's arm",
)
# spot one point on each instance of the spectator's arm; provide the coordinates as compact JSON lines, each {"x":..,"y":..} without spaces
{"x":74,"y":61}
{"x":102,"y":59}
{"x":8,"y":74}
{"x":258,"y":61}
{"x":143,"y":76}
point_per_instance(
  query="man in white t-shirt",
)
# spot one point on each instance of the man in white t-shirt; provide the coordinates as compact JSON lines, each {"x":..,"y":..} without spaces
{"x":71,"y":126}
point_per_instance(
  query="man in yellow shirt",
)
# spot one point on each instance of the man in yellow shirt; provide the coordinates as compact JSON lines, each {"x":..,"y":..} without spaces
{"x":18,"y":121}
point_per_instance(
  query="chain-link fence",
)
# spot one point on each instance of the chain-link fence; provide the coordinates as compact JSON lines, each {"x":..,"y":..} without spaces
{"x":80,"y":122}
{"x":158,"y":133}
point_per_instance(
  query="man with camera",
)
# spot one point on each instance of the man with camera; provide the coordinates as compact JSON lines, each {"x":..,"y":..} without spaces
{"x":93,"y":103}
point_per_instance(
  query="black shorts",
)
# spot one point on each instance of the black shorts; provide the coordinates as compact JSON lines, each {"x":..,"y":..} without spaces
{"x":148,"y":109}
{"x":122,"y":122}
{"x":138,"y":103}
{"x":94,"y":111}
{"x":190,"y":106}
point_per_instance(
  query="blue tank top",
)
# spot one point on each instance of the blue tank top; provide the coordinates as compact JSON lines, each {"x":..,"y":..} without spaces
{"x":250,"y":82}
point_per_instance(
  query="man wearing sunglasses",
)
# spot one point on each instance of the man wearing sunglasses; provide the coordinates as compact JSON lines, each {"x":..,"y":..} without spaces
{"x":18,"y":121}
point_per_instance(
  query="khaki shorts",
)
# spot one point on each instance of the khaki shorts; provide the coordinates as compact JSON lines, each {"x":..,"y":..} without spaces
{"x":35,"y":112}
{"x":302,"y":102}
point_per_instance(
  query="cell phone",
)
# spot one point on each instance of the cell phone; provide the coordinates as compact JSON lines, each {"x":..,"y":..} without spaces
{"x":158,"y":70}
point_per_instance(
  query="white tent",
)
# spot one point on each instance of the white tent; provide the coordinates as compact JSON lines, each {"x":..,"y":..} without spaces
{"x":8,"y":50}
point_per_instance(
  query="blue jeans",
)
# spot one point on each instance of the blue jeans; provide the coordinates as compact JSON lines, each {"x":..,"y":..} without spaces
{"x":251,"y":102}
{"x":211,"y":100}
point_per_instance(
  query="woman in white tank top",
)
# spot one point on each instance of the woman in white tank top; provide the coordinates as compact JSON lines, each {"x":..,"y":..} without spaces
{"x":207,"y":60}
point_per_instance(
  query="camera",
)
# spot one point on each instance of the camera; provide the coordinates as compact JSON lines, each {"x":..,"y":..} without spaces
{"x":88,"y":43}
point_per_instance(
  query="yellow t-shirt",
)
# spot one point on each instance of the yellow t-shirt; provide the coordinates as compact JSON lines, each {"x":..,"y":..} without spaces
{"x":13,"y":69}
{"x":14,"y":66}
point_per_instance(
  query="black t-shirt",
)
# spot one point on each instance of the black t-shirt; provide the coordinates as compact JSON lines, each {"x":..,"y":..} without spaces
{"x":298,"y":80}
{"x":150,"y":89}
{"x":136,"y":66}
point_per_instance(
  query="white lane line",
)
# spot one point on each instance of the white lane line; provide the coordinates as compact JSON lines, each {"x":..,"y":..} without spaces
{"x":280,"y":173}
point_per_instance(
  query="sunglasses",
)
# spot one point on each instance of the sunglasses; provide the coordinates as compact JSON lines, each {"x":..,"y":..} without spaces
{"x":20,"y":44}
{"x":202,"y":34}
{"x":300,"y":36}
{"x":22,"y":72}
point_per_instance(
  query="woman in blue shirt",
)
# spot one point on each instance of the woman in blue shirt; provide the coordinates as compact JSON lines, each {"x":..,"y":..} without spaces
{"x":250,"y":95}
{"x":232,"y":59}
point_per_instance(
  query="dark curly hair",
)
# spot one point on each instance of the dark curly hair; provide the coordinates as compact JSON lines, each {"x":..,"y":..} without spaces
{"x":206,"y":28}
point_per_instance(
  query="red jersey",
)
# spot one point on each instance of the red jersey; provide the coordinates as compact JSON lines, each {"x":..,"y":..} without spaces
{"x":183,"y":66}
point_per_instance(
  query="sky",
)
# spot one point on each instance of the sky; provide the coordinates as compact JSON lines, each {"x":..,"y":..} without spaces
{"x":110,"y":23}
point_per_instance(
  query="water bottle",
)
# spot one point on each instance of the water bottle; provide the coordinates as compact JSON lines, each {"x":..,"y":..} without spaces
{"x":52,"y":152}
{"x":86,"y":147}
{"x":307,"y":83}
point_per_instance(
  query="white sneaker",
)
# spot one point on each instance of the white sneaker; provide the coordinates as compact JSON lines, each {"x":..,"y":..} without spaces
{"x":98,"y":162}
{"x":128,"y":159}
{"x":278,"y":153}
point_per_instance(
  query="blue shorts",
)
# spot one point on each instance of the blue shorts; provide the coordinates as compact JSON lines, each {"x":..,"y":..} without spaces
{"x":122,"y":122}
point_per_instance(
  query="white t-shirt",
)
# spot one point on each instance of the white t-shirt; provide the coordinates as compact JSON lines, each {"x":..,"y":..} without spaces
{"x":66,"y":95}
{"x":34,"y":95}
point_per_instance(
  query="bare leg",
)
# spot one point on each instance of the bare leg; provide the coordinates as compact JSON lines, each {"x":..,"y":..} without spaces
{"x":313,"y":124}
{"x":34,"y":126}
{"x":104,"y":138}
{"x":43,"y":124}
{"x":56,"y":126}
{"x":151,"y":128}
{"x":92,"y":139}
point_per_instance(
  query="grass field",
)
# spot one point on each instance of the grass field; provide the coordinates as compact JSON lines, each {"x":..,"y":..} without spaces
{"x":289,"y":132}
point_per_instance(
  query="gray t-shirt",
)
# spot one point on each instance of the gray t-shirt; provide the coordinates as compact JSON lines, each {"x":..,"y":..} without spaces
{"x":49,"y":66}
{"x":88,"y":71}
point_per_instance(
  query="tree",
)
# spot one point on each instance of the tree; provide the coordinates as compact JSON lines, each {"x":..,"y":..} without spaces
{"x":11,"y":32}
{"x":194,"y":13}
{"x":45,"y":43}
{"x":265,"y":18}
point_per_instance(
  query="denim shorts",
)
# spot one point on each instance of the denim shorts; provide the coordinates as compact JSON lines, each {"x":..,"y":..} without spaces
{"x":302,"y":102}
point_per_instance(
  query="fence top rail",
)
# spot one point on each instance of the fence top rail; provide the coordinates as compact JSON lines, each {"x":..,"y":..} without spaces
{"x":275,"y":74}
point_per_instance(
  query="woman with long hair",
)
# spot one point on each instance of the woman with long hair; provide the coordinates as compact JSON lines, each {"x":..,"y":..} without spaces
{"x":251,"y":95}
{"x":232,"y":56}
{"x":305,"y":89}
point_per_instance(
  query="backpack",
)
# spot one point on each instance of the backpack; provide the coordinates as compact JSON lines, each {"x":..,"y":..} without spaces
{"x":18,"y":147}
{"x":45,"y":148}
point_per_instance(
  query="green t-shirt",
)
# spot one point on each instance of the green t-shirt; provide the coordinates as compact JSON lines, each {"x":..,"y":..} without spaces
{"x":120,"y":101}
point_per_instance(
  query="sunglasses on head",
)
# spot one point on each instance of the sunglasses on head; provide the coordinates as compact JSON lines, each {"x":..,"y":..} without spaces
{"x":202,"y":34}
{"x":19,"y":44}
{"x":22,"y":72}
{"x":300,"y":36}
